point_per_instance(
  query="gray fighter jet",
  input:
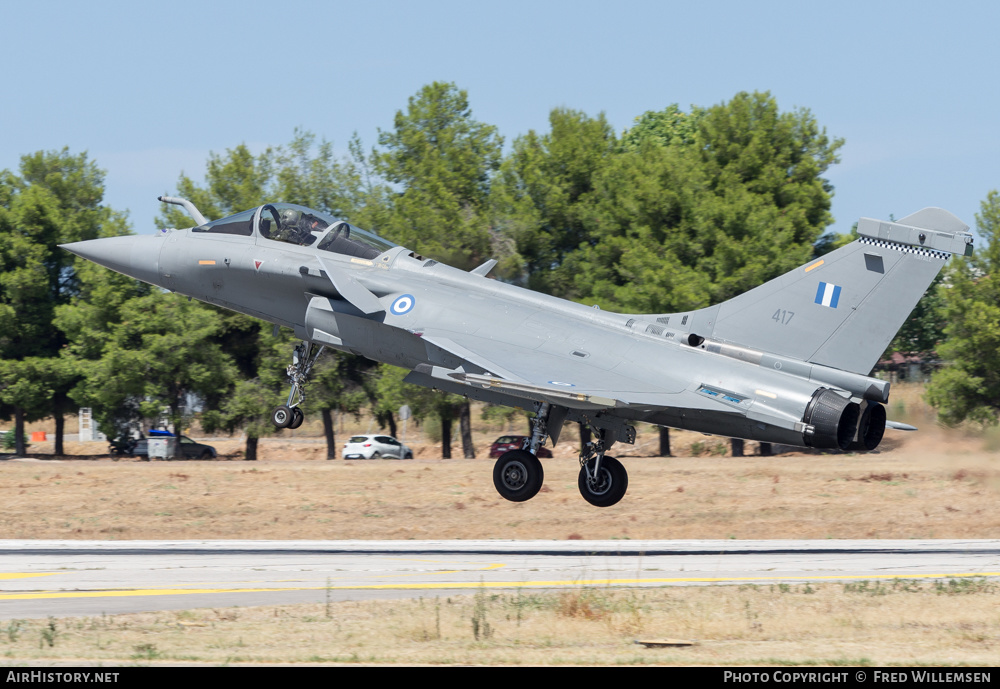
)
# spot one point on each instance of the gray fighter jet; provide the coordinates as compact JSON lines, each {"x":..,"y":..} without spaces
{"x":786,"y":362}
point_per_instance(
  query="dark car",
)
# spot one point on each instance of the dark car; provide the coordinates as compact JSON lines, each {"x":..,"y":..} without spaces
{"x":186,"y":448}
{"x":513,"y":442}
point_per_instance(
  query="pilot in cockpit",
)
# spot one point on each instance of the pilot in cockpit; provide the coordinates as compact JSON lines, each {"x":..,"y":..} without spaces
{"x":297,"y":227}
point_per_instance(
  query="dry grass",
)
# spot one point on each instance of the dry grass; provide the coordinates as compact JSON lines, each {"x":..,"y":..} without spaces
{"x":929,"y":487}
{"x":885,"y":623}
{"x":937,"y":483}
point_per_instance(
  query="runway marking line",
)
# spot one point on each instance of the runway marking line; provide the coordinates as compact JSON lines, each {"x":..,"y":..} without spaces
{"x":496,"y":565}
{"x":24,"y":575}
{"x":446,"y":571}
{"x":469,"y":585}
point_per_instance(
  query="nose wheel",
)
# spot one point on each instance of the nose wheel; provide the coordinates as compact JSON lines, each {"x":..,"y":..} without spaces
{"x":282,"y":416}
{"x":289,"y":415}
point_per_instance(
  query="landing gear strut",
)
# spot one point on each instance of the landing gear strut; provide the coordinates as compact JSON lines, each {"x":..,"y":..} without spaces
{"x":518,"y":475}
{"x":603,"y":480}
{"x":289,"y":415}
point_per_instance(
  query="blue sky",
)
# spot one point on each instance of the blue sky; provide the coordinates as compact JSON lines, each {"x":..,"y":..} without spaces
{"x":148,"y":89}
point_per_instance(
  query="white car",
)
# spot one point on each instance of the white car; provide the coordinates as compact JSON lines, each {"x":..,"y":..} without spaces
{"x":376,"y":447}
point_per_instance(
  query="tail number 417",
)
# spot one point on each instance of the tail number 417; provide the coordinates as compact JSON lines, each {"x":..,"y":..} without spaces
{"x":782,"y":317}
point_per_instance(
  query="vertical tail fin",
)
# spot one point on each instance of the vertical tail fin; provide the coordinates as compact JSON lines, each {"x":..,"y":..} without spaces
{"x":843,"y":309}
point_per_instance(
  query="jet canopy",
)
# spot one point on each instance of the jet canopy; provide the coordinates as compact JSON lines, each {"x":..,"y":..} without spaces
{"x":293,"y":224}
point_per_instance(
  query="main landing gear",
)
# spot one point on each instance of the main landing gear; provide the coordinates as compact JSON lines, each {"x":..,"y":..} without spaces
{"x":518,"y":475}
{"x":289,"y":415}
{"x":603,"y":480}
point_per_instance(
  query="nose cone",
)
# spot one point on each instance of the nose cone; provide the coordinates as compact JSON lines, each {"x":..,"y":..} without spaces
{"x":133,"y":255}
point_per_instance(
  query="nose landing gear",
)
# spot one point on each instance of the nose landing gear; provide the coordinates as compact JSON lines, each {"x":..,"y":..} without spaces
{"x":289,"y":415}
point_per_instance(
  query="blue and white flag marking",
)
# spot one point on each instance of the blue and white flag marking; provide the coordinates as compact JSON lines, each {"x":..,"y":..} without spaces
{"x":828,"y":295}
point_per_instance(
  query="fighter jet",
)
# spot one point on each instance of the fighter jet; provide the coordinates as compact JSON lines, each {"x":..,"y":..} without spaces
{"x":787,"y":362}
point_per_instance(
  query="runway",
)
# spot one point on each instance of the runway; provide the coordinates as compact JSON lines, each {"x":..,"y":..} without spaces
{"x":79,"y":578}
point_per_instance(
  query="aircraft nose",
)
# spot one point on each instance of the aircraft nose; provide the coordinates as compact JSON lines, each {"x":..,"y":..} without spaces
{"x":133,"y":255}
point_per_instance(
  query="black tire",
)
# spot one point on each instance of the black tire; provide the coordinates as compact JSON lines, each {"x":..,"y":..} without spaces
{"x":377,"y":455}
{"x":518,"y":475}
{"x":409,"y":455}
{"x":611,"y":483}
{"x":206,"y":455}
{"x":297,"y":418}
{"x":281,"y":417}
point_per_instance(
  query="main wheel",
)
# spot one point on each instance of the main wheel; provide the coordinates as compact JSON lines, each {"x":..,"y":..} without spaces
{"x":281,"y":417}
{"x":297,"y":418}
{"x":610,"y":485}
{"x":518,"y":475}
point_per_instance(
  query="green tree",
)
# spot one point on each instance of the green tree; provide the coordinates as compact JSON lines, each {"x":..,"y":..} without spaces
{"x":668,"y":127}
{"x":245,"y":403}
{"x":924,"y":328}
{"x":304,"y":171}
{"x":247,"y":407}
{"x":646,"y":257}
{"x":342,"y":383}
{"x":236,"y":181}
{"x":687,"y":223}
{"x":968,"y":387}
{"x":159,"y":352}
{"x":391,"y":393}
{"x":56,"y":198}
{"x":537,"y":197}
{"x":441,"y":160}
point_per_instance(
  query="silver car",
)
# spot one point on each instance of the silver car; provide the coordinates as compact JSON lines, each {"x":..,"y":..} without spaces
{"x":186,"y":449}
{"x":376,"y":447}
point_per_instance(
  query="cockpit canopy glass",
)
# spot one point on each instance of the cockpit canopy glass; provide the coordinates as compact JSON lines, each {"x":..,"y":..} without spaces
{"x":287,"y":222}
{"x":292,"y":224}
{"x":344,"y":238}
{"x":241,"y":223}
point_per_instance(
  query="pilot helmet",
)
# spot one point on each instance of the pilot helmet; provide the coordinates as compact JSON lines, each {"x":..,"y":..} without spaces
{"x":290,"y":216}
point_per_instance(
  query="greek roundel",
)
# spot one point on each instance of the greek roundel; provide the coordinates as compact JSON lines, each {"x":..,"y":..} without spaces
{"x":402,"y":304}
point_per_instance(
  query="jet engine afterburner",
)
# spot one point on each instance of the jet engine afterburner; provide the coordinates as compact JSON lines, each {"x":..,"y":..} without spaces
{"x":872,"y":426}
{"x":834,"y":419}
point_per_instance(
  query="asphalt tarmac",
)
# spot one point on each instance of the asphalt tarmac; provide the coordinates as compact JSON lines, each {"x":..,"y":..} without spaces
{"x":80,"y":578}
